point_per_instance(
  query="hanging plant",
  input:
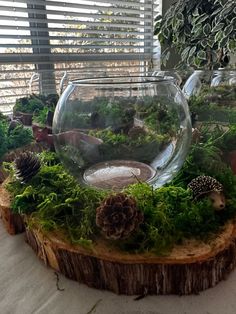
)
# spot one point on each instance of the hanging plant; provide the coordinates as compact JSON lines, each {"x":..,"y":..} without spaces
{"x":203,"y":32}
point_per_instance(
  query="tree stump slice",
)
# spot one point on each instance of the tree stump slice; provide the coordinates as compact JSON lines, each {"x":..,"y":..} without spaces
{"x":13,"y":223}
{"x":189,"y":268}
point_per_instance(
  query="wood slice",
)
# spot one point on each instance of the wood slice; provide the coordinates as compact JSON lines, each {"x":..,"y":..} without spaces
{"x":13,"y":223}
{"x":190,"y":268}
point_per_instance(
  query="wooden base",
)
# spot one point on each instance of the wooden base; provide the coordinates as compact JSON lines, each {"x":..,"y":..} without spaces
{"x":13,"y":223}
{"x":190,"y":268}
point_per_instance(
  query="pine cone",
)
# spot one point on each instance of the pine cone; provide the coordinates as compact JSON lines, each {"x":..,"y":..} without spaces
{"x":27,"y":165}
{"x":118,"y":216}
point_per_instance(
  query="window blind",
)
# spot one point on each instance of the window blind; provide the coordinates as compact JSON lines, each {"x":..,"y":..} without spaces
{"x":53,"y":36}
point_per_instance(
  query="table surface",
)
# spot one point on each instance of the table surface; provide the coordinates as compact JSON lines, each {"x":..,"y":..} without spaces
{"x":28,"y":286}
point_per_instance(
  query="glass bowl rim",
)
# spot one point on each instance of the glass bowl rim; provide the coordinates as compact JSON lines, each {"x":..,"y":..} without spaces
{"x":215,"y":70}
{"x":102,"y":81}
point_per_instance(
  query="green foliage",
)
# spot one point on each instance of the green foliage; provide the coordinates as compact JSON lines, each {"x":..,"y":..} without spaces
{"x":216,"y":106}
{"x":12,"y":139}
{"x":207,"y":158}
{"x":49,"y":158}
{"x":40,"y":117}
{"x":57,"y":202}
{"x":143,"y":147}
{"x":28,"y":104}
{"x":203,"y":32}
{"x":39,"y":105}
{"x":112,"y":138}
{"x":18,"y":137}
{"x":227,"y":142}
{"x":3,"y":138}
{"x":170,"y":215}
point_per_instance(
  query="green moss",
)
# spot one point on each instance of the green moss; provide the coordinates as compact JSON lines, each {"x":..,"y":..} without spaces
{"x":3,"y":139}
{"x":28,"y":104}
{"x":12,"y":139}
{"x":38,"y":105}
{"x":40,"y":117}
{"x":215,"y":104}
{"x":57,"y":202}
{"x":170,"y":215}
{"x":18,"y":137}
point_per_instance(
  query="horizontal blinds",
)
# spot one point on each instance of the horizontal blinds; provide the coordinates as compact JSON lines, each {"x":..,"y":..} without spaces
{"x":53,"y":35}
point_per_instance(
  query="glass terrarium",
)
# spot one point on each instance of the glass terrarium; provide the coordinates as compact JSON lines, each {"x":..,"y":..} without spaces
{"x":212,"y":102}
{"x":212,"y":95}
{"x":112,"y":132}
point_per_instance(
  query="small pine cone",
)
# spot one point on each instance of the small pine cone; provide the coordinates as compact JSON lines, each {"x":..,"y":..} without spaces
{"x":27,"y":165}
{"x":118,"y":216}
{"x":135,"y":132}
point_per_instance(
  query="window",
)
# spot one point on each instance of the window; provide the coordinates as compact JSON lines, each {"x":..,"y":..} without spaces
{"x":53,"y":36}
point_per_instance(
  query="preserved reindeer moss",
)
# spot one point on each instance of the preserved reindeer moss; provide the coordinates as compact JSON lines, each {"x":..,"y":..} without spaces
{"x":57,"y":202}
{"x":17,"y":137}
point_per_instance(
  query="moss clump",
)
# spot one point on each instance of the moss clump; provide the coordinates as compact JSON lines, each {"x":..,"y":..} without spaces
{"x":56,"y":201}
{"x":28,"y":104}
{"x":12,"y":138}
{"x":38,"y":105}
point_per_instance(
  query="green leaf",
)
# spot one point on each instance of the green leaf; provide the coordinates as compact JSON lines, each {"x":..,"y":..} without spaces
{"x":166,"y":33}
{"x":218,"y":27}
{"x":180,"y":16}
{"x":207,"y":29}
{"x":228,"y":30}
{"x":196,"y":30}
{"x":204,"y":43}
{"x":185,"y":53}
{"x":192,"y":51}
{"x":202,"y":18}
{"x":165,"y":56}
{"x":191,"y":54}
{"x":233,"y":21}
{"x":211,"y":42}
{"x":223,"y":42}
{"x":202,"y":55}
{"x":196,"y":12}
{"x":158,"y":18}
{"x":219,"y":36}
{"x":217,"y":11}
{"x":225,"y":11}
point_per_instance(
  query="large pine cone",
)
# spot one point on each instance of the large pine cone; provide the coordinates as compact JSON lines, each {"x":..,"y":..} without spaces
{"x":27,"y":165}
{"x":118,"y":216}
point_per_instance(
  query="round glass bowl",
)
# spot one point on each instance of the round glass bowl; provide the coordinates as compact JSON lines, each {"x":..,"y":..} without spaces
{"x":212,"y":95}
{"x":116,"y":131}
